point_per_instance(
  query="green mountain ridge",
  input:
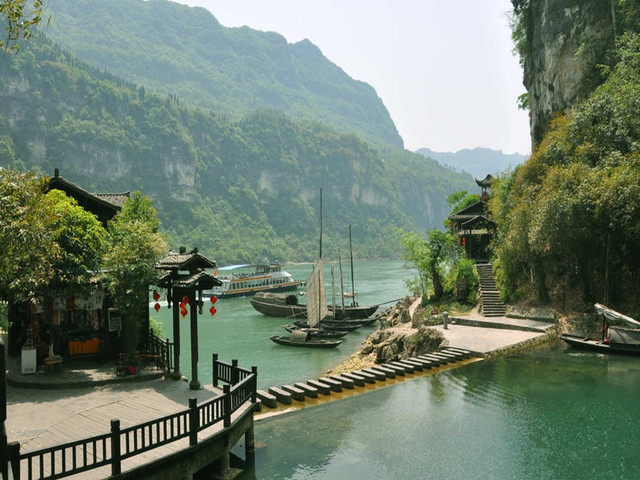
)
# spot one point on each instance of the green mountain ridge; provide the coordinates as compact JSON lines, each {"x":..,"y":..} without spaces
{"x":184,"y":51}
{"x":240,"y":191}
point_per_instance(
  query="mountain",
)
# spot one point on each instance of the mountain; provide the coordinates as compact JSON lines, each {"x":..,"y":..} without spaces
{"x":240,"y":191}
{"x":478,"y":161}
{"x":184,"y":51}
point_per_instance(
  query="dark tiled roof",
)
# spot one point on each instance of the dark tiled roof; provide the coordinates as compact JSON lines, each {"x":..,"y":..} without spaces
{"x":112,"y":199}
{"x":116,"y":199}
{"x":185,"y":261}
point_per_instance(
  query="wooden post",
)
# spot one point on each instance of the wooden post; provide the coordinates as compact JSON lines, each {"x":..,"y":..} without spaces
{"x":176,"y":336}
{"x":226,"y":402}
{"x":254,"y":384}
{"x":194,"y":384}
{"x":193,"y":422}
{"x":215,"y":369}
{"x":116,"y":467}
{"x":4,"y":452}
{"x":234,"y":372}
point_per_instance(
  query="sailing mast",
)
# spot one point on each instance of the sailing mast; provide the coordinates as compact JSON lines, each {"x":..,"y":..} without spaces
{"x":341,"y":282}
{"x":353,"y":288}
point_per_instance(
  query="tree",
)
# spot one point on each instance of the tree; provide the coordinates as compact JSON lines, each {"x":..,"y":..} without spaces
{"x":431,"y":258}
{"x":27,"y":240}
{"x":21,"y":16}
{"x":135,"y":245}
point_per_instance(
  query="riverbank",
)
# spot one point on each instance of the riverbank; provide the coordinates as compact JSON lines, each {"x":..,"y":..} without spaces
{"x":407,"y":325}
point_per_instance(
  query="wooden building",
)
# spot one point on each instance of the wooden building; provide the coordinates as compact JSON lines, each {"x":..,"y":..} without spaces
{"x":474,"y":225}
{"x":70,"y":325}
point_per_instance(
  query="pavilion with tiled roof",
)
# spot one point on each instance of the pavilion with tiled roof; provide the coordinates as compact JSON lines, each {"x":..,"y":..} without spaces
{"x":185,"y":279}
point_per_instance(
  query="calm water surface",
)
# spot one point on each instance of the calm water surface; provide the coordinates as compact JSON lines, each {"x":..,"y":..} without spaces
{"x":238,"y":331}
{"x":548,"y":413}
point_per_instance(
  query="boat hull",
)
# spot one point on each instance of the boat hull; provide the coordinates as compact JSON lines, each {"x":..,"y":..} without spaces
{"x":300,"y":311}
{"x":252,"y":291}
{"x":598,"y":346}
{"x":309,"y":343}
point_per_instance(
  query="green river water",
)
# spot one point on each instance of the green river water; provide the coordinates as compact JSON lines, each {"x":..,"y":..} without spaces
{"x":546,"y":413}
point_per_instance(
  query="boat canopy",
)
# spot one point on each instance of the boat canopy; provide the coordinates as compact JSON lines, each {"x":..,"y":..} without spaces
{"x":247,"y":265}
{"x":612,"y":315}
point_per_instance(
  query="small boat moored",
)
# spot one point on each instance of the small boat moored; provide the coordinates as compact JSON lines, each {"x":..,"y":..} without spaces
{"x":615,"y":339}
{"x":302,"y":339}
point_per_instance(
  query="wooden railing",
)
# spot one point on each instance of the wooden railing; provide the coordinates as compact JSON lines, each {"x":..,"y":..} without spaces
{"x":163,"y":349}
{"x":120,"y":444}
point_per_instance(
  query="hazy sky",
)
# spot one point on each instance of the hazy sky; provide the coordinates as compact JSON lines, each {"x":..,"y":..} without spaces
{"x":443,"y":68}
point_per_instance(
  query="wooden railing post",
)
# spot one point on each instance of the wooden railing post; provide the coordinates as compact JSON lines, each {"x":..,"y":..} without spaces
{"x":4,"y":452}
{"x":116,"y":467}
{"x":226,"y":404}
{"x":193,"y":422}
{"x":13,"y":450}
{"x":234,"y":372}
{"x":215,"y":369}
{"x":254,"y":383}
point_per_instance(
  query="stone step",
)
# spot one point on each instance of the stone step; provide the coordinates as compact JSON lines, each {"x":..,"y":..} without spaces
{"x":449,"y":357}
{"x":378,"y":374}
{"x":466,"y":353}
{"x":368,"y":377}
{"x":388,"y":372}
{"x":425,"y":363}
{"x":456,"y":355}
{"x":281,"y":395}
{"x":335,"y":385}
{"x":355,"y":378}
{"x":267,"y":399}
{"x":309,"y":391}
{"x":407,"y":368}
{"x":399,"y":370}
{"x":323,"y":388}
{"x":296,"y":393}
{"x":435,"y":356}
{"x":437,"y":361}
{"x":417,"y":366}
{"x":346,"y":382}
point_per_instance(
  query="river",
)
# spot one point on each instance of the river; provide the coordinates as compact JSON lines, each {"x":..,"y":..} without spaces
{"x":239,"y":332}
{"x":546,"y":413}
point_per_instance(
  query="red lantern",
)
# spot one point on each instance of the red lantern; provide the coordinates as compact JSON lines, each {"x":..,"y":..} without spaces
{"x":156,"y":307}
{"x":213,"y":311}
{"x":156,"y":296}
{"x":185,"y":299}
{"x":213,"y":299}
{"x":183,"y":312}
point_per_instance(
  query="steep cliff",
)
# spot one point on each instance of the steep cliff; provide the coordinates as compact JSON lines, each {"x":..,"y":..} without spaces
{"x":565,"y":42}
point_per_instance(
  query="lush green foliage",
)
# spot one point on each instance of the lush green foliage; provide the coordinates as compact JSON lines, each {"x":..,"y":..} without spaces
{"x":27,"y":239}
{"x":135,"y":245}
{"x":239,"y":191}
{"x":20,"y":18}
{"x":182,"y":51}
{"x":572,"y":211}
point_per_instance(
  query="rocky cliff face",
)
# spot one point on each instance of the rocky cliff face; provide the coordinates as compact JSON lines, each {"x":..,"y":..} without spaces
{"x":566,"y":40}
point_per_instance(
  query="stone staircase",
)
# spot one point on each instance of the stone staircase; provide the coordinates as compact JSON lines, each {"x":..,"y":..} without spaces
{"x":492,"y":306}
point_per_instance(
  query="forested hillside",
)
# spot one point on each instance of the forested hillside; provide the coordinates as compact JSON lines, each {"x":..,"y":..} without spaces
{"x":239,"y":190}
{"x":569,"y":218}
{"x":184,"y":51}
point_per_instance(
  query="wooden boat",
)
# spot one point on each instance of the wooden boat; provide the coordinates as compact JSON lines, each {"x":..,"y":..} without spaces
{"x":342,"y":326}
{"x":283,"y":305}
{"x":309,"y":342}
{"x":615,"y":338}
{"x":316,"y":332}
{"x":585,"y":343}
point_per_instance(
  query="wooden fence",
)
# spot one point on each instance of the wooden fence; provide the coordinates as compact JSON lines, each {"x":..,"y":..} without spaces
{"x":120,"y":444}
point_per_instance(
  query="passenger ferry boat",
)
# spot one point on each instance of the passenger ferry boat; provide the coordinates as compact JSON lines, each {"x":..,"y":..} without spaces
{"x":243,"y":280}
